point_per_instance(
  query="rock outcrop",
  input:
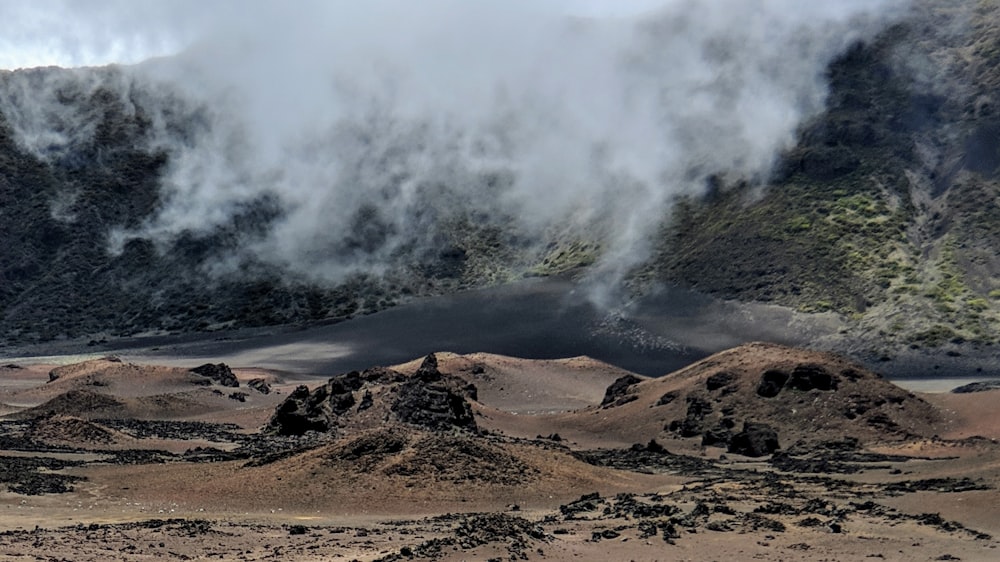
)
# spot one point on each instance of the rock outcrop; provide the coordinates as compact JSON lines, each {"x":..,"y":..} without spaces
{"x":220,"y":373}
{"x":428,"y":399}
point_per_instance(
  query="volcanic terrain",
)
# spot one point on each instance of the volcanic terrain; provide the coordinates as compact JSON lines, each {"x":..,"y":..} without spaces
{"x":761,"y":451}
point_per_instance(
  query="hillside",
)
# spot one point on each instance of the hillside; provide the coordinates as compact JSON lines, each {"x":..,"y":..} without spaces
{"x":887,"y":211}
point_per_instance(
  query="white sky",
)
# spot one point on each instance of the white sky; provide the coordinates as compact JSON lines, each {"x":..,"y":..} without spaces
{"x":96,"y":32}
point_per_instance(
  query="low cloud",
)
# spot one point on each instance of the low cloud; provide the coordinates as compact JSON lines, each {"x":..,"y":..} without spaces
{"x":371,"y":124}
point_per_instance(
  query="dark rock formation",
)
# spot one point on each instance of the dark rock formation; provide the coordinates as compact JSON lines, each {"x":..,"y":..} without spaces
{"x":220,"y":373}
{"x":295,"y":417}
{"x":719,"y":380}
{"x":429,"y":399}
{"x":756,"y":440}
{"x":810,"y":377}
{"x":716,"y":437}
{"x":693,"y":423}
{"x":615,"y":395}
{"x":771,"y":383}
{"x":260,"y":385}
{"x":303,"y":411}
{"x":667,"y":398}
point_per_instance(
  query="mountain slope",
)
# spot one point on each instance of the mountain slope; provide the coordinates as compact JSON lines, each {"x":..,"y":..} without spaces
{"x":887,"y":211}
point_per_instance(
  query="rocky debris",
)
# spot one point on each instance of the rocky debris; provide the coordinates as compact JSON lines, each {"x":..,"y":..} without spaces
{"x":459,"y":457}
{"x":22,"y":475}
{"x":940,"y":485}
{"x":260,"y":385}
{"x":980,"y":386}
{"x":220,"y":373}
{"x":429,"y":399}
{"x":70,"y":429}
{"x":756,"y":440}
{"x":369,"y":450}
{"x":649,"y":459}
{"x":618,"y":393}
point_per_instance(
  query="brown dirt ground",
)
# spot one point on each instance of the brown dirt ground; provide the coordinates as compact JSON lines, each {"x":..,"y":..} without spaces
{"x":348,"y":511}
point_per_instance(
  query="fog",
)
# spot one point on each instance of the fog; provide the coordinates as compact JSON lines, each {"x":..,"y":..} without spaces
{"x":375,"y":127}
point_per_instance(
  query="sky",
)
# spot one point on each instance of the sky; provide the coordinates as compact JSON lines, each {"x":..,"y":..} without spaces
{"x":73,"y":33}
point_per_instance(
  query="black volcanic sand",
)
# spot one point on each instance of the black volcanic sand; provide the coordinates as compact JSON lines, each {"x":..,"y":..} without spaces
{"x":542,"y":318}
{"x":536,"y":319}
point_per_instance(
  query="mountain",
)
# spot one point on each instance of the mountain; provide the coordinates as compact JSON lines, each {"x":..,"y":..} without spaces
{"x":886,"y":211}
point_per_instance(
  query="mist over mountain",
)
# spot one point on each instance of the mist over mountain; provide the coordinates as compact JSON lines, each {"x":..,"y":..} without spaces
{"x":304,"y":166}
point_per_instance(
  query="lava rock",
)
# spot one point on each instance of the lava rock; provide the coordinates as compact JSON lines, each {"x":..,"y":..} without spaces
{"x":756,"y":440}
{"x":220,"y":373}
{"x":719,"y":380}
{"x":260,"y":385}
{"x":427,"y":399}
{"x":618,"y":390}
{"x":810,"y":377}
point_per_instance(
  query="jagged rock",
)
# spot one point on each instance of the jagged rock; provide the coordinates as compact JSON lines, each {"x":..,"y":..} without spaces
{"x":260,"y":385}
{"x":756,"y":440}
{"x":306,"y":411}
{"x":618,"y":390}
{"x":430,"y":400}
{"x":220,"y":373}
{"x":292,"y":417}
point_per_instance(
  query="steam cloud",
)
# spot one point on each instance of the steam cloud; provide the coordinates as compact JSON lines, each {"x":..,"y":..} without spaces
{"x":371,"y":124}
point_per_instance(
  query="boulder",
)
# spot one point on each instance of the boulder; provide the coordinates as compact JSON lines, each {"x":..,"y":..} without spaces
{"x":220,"y":373}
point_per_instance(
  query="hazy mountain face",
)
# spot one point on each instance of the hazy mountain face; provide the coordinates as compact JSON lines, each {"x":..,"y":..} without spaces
{"x":421,"y":149}
{"x":371,"y":129}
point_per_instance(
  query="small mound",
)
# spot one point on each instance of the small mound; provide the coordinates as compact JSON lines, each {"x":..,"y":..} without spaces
{"x":362,"y":400}
{"x":799,"y":395}
{"x":81,"y":403}
{"x":69,"y":429}
{"x":460,"y":458}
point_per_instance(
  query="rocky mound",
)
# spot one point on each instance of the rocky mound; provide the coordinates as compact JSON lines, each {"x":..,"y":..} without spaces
{"x":415,"y":455}
{"x":757,"y":398}
{"x":69,"y":429}
{"x":359,"y":400}
{"x":82,"y":403}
